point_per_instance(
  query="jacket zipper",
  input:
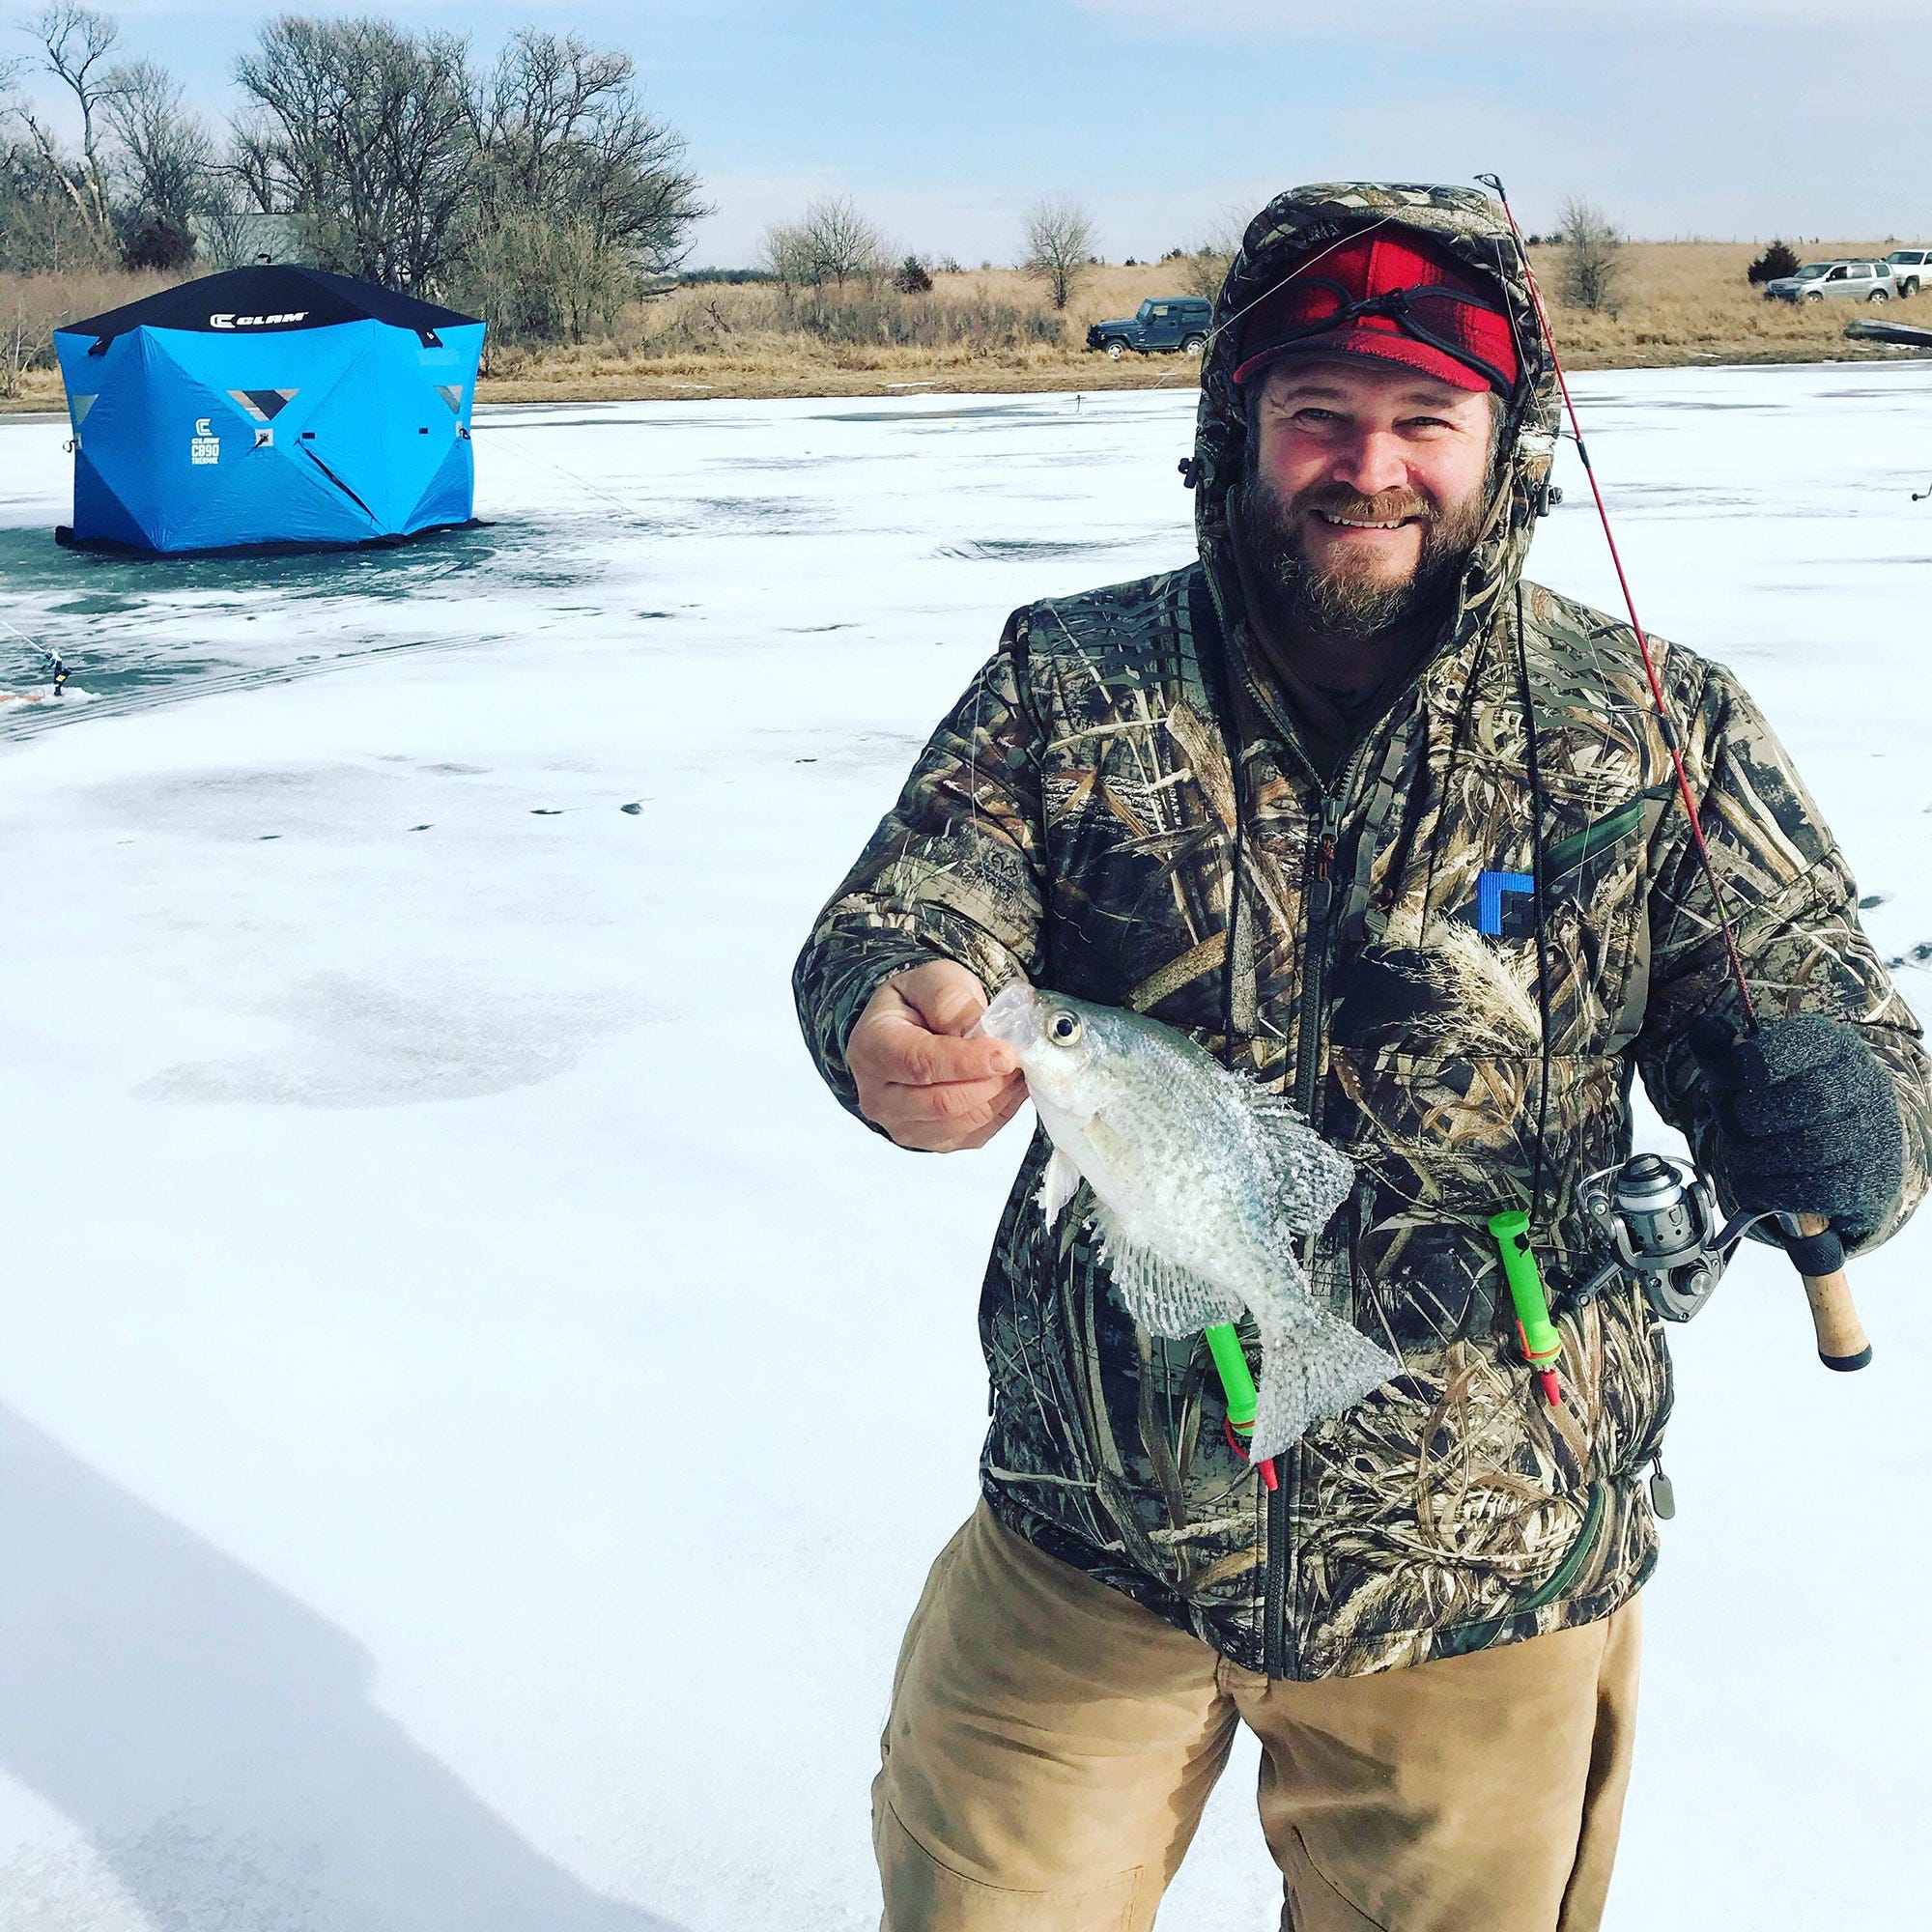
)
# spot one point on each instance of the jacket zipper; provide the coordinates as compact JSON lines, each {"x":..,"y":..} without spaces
{"x":1318,"y":901}
{"x":1279,"y":1504}
{"x":1320,"y":897}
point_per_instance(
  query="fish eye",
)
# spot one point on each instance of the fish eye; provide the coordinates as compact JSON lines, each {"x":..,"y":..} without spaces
{"x":1063,"y":1028}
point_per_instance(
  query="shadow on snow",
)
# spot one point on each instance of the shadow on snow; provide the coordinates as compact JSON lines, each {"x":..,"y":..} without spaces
{"x":215,"y":1739}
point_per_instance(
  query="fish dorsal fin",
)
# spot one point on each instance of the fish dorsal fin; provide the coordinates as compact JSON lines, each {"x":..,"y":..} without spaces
{"x":1164,"y":1299}
{"x":1057,"y":1186}
{"x":1310,"y":1179}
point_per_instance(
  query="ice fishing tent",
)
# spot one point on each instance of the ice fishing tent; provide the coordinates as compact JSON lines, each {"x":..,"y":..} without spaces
{"x":270,"y":405}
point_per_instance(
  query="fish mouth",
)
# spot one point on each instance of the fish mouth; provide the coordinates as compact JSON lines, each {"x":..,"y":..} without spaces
{"x":1013,"y":1016}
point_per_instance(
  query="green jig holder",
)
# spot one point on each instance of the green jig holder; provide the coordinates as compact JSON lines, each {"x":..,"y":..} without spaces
{"x":1238,"y":1387}
{"x":1542,"y":1344}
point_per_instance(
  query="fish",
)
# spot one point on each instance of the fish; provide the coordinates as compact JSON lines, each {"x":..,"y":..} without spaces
{"x":1201,"y":1184}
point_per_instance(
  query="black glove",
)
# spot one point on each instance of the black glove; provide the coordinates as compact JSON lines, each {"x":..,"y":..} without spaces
{"x":1807,"y":1119}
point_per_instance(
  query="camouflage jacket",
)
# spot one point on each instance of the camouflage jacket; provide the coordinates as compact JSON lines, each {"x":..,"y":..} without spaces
{"x":1075,"y":820}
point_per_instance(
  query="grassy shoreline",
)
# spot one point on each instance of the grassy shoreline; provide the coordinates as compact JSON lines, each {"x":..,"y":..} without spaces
{"x":1684,"y":304}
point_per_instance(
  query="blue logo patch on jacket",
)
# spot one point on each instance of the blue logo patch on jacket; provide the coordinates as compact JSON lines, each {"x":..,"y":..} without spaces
{"x":1495,"y":917}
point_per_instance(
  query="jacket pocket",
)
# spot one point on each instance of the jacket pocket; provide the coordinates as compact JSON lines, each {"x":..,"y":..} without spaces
{"x":1636,"y":1384}
{"x":1469,"y":934}
{"x":1597,"y":925}
{"x":1448,"y":1499}
{"x":1446,"y":1125}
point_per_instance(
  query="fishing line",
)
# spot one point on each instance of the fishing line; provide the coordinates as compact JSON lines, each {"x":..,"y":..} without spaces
{"x":1667,"y":727}
{"x":1560,"y":434}
{"x":1300,"y":267}
{"x":630,"y":510}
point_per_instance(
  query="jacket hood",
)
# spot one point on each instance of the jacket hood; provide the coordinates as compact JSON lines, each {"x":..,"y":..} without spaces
{"x":1473,"y":228}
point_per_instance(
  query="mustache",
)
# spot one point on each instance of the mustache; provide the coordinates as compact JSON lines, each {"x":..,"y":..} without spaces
{"x":1386,"y":506}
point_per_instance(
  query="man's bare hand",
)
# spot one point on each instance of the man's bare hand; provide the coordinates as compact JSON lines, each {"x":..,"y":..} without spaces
{"x":918,"y":1077}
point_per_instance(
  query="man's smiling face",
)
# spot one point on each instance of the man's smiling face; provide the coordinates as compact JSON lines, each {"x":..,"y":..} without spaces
{"x":1365,"y":488}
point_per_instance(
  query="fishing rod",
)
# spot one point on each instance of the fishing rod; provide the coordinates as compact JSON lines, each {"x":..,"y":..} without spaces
{"x":1667,"y":728}
{"x":1669,"y":1221}
{"x":56,"y":665}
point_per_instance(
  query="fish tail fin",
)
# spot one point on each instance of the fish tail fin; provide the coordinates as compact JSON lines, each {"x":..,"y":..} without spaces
{"x":1313,"y":1366}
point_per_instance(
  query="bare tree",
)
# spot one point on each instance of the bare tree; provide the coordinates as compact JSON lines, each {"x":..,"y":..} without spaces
{"x":40,"y":230}
{"x":251,"y":168}
{"x":579,"y":193}
{"x":75,"y":42}
{"x":562,"y":130}
{"x":1204,"y":270}
{"x":143,"y":166}
{"x":1205,"y":266}
{"x":1593,"y":259}
{"x":165,"y":162}
{"x":539,"y":279}
{"x":227,"y":231}
{"x":365,"y":131}
{"x":1059,"y":248}
{"x":368,"y":147}
{"x":26,"y":335}
{"x":786,"y":254}
{"x":831,"y":242}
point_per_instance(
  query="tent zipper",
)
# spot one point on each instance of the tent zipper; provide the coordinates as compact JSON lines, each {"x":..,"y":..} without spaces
{"x":309,"y":452}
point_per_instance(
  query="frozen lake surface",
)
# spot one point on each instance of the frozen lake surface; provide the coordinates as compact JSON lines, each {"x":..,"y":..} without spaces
{"x":449,"y":1480}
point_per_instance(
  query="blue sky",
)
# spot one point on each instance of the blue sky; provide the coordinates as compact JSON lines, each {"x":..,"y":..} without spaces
{"x":1164,"y":117}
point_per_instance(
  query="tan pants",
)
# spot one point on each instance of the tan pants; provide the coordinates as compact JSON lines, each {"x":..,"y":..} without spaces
{"x":1051,"y":1747}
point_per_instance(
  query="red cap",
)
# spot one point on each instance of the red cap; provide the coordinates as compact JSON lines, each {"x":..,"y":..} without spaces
{"x":1439,"y":318}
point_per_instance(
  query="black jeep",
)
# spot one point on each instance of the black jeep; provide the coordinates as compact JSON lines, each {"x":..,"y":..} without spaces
{"x":1164,"y":323}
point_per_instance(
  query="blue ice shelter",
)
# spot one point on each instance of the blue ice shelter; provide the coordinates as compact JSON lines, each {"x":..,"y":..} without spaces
{"x":271,"y":405}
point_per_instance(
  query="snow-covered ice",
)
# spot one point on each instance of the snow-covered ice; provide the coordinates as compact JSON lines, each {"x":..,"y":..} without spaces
{"x":475,"y":1416}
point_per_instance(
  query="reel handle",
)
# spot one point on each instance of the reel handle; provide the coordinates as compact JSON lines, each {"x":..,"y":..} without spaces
{"x":1842,"y":1342}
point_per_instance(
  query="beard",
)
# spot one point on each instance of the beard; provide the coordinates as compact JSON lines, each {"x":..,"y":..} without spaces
{"x":1352,"y":602}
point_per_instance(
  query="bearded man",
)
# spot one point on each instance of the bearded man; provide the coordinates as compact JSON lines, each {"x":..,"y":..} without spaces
{"x":1390,"y":830}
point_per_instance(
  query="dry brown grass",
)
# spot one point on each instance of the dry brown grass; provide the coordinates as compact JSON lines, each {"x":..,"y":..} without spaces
{"x":33,"y":306}
{"x":1688,"y":302}
{"x":984,"y":329}
{"x":1683,"y":303}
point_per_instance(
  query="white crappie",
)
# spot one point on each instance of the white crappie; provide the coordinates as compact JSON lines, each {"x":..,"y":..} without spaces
{"x":1201,"y":1181}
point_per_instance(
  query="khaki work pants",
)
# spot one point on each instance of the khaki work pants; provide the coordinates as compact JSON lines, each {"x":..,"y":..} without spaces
{"x":1052,"y":1744}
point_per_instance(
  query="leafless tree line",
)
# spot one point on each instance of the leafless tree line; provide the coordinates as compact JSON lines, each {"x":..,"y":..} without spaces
{"x":140,"y":158}
{"x":832,"y":243}
{"x":539,"y":189}
{"x":1590,"y":269}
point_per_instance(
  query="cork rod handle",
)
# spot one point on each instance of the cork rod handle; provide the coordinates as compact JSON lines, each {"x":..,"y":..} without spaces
{"x":1842,"y":1342}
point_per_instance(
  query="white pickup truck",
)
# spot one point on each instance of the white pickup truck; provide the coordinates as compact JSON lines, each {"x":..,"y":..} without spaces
{"x":1911,"y":268}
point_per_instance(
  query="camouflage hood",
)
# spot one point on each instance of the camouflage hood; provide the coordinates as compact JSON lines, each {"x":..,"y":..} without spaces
{"x":1471,"y":227}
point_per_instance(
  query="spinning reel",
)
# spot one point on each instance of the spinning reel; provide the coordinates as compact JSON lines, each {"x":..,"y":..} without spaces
{"x":1661,"y":1218}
